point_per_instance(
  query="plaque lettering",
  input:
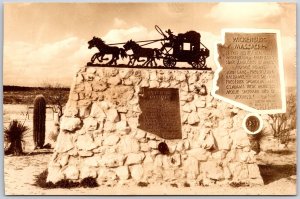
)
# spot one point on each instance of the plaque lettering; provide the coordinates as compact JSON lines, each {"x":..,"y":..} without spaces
{"x":160,"y":112}
{"x":250,"y":75}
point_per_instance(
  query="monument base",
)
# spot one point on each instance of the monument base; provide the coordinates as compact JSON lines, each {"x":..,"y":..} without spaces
{"x":100,"y":135}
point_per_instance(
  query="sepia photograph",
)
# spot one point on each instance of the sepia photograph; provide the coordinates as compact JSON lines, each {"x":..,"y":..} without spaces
{"x":149,"y":98}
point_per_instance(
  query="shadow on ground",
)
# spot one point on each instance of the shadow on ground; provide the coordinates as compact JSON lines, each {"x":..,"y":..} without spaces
{"x":38,"y":153}
{"x":271,"y":173}
{"x":281,"y":152}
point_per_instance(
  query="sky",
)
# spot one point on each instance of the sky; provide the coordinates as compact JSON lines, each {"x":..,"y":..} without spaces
{"x":47,"y":42}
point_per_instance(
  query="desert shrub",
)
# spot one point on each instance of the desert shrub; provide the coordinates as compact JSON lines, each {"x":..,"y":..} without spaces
{"x":292,"y":110}
{"x":66,"y":184}
{"x":14,"y":136}
{"x":89,"y":182}
{"x":238,"y":184}
{"x":283,"y":123}
{"x":41,"y":181}
{"x":185,"y":184}
{"x":279,"y":123}
{"x":143,"y":184}
{"x":57,"y":97}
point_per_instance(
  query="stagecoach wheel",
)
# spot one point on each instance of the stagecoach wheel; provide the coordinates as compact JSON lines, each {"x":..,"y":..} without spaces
{"x":201,"y":63}
{"x":169,"y":61}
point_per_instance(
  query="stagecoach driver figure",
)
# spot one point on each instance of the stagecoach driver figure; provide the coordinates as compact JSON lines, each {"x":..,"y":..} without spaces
{"x":171,"y":37}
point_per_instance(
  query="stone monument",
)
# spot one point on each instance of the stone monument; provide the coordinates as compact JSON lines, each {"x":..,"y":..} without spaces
{"x":115,"y":119}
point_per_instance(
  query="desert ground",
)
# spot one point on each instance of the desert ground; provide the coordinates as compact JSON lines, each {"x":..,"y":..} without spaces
{"x":278,"y":169}
{"x":20,"y":173}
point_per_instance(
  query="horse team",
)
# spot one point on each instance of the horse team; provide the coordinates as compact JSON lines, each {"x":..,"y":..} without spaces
{"x":138,"y":52}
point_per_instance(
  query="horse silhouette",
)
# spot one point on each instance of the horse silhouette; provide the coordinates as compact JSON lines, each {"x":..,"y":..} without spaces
{"x":139,"y":52}
{"x":105,"y":49}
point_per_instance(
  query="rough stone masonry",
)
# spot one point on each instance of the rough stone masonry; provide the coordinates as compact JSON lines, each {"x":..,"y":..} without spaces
{"x":99,"y":135}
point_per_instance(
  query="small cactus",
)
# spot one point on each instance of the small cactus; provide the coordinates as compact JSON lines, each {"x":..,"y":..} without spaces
{"x":39,"y":120}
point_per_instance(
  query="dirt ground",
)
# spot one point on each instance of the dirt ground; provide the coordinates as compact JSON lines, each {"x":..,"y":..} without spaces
{"x":20,"y":173}
{"x":277,"y":169}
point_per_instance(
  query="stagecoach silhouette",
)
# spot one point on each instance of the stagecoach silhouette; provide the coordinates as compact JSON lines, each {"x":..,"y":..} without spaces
{"x":184,"y":47}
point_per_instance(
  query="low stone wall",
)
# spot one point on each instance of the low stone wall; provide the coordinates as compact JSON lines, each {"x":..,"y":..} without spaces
{"x":100,"y":138}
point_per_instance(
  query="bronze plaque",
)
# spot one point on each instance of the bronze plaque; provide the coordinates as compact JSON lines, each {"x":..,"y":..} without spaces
{"x":250,"y":75}
{"x":160,"y":112}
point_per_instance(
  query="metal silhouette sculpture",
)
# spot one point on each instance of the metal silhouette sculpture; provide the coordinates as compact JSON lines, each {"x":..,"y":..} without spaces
{"x":105,"y":49}
{"x":184,"y":47}
{"x":139,"y":52}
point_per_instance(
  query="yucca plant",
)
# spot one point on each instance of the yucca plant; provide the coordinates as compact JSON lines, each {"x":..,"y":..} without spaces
{"x":14,"y":136}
